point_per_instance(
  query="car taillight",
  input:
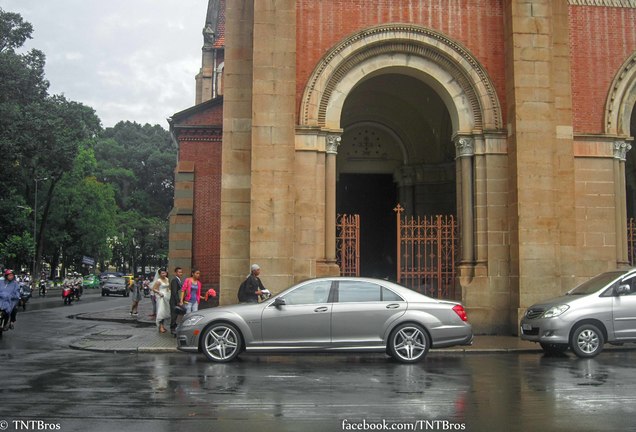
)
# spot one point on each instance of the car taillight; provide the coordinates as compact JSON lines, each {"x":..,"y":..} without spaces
{"x":459,"y":310}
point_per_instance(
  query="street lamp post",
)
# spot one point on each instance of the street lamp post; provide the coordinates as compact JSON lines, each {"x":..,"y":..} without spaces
{"x":35,"y":224}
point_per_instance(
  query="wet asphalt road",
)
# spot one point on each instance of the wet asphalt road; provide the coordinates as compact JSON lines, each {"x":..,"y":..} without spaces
{"x":41,"y":379}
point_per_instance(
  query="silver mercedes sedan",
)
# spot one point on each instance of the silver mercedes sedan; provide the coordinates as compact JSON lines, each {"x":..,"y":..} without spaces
{"x":329,"y":314}
{"x":602,"y":309}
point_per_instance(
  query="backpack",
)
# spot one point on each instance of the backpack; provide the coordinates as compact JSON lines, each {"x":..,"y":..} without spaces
{"x":242,"y":289}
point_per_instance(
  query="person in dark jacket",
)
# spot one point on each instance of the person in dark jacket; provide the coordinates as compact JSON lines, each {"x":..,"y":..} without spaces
{"x":9,"y":297}
{"x":252,"y":288}
{"x":175,"y":289}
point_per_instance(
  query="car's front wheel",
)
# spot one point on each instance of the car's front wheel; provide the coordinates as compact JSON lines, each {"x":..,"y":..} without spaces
{"x":221,"y":342}
{"x":587,"y":341}
{"x":408,"y":343}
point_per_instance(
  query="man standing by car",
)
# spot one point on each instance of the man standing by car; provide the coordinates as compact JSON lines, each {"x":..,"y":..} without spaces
{"x":175,"y":288}
{"x":252,"y":287}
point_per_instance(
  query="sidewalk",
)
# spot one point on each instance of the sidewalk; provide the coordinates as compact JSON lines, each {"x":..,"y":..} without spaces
{"x":142,"y":335}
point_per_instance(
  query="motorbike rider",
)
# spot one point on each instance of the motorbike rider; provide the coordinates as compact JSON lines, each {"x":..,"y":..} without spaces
{"x":9,"y":297}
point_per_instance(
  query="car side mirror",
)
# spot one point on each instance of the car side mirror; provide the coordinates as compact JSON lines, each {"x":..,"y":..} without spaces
{"x":623,"y":290}
{"x":279,"y":301}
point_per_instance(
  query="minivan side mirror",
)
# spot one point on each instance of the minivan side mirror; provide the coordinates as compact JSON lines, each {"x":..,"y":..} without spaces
{"x":623,"y":290}
{"x":279,"y":301}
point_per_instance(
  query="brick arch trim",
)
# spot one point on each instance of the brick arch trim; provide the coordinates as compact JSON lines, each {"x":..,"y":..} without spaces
{"x":460,"y":65}
{"x":621,"y":99}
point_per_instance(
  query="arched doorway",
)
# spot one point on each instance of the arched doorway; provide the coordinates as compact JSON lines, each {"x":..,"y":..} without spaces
{"x":336,"y":107}
{"x":396,"y":147}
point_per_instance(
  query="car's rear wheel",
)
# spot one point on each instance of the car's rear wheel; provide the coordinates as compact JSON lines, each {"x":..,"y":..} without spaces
{"x":408,"y":343}
{"x":587,"y":341}
{"x":553,"y":348}
{"x":221,"y":342}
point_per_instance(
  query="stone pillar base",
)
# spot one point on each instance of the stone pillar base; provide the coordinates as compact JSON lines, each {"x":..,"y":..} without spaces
{"x":327,"y":269}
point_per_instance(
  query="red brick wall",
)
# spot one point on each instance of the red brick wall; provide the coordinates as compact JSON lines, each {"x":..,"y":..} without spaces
{"x":601,"y":39}
{"x":203,"y":147}
{"x":207,"y":207}
{"x":477,"y":24}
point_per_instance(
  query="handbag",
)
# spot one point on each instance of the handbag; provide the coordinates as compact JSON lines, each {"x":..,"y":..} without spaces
{"x":180,"y":309}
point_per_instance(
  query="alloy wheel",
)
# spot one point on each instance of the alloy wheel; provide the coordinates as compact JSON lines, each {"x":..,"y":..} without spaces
{"x":408,"y":343}
{"x":222,"y":343}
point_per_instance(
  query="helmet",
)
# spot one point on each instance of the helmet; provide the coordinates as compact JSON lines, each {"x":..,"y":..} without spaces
{"x":7,"y":272}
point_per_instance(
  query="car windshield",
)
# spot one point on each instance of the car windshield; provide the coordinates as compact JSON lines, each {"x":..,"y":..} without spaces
{"x":116,"y":280}
{"x":596,"y":283}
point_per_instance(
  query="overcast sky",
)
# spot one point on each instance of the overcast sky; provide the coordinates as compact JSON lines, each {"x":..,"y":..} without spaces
{"x":128,"y":59}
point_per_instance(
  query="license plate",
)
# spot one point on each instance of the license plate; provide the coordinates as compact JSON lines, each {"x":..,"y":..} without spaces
{"x":526,"y":327}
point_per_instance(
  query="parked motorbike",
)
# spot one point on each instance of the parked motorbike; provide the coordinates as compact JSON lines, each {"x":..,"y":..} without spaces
{"x":25,"y":294}
{"x":68,"y":294}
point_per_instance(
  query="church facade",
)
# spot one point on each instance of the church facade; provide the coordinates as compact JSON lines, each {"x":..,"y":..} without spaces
{"x":506,"y":115}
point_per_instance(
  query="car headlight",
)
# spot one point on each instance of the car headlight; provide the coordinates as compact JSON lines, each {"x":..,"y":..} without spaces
{"x":191,"y":321}
{"x":555,"y":311}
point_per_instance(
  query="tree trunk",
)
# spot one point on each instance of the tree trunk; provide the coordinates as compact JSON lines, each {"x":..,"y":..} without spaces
{"x":45,"y":217}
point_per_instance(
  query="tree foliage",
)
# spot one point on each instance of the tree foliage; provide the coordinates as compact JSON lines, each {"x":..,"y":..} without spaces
{"x":101,"y":193}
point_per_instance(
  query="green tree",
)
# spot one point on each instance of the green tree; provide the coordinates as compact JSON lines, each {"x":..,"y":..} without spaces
{"x":40,"y":135}
{"x":139,"y":162}
{"x":84,"y":215}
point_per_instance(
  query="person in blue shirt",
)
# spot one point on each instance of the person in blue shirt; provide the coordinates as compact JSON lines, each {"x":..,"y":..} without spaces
{"x":9,"y":297}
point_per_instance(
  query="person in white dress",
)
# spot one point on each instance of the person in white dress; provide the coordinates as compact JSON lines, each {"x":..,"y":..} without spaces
{"x":161,"y":287}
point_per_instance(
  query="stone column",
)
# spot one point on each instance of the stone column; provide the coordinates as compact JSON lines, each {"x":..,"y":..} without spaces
{"x":273,"y":141}
{"x":541,"y":201}
{"x":405,"y":178}
{"x":181,"y":223}
{"x":237,"y":125}
{"x":465,"y":152}
{"x":620,"y":155}
{"x":333,"y":142}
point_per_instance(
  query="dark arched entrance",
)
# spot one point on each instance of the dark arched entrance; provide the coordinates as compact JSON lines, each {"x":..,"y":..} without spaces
{"x":396,"y":147}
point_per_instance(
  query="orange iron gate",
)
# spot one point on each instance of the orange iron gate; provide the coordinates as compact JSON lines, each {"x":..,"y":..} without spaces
{"x":426,"y":248}
{"x":348,"y":244}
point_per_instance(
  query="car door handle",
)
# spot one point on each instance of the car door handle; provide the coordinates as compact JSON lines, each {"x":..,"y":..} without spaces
{"x":392,"y":306}
{"x":321,"y":309}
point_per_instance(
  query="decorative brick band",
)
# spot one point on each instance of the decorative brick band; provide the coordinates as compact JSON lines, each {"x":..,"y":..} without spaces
{"x":606,"y":3}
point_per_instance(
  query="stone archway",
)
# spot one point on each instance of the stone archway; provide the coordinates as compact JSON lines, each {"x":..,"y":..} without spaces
{"x":619,"y":110}
{"x":442,"y":64}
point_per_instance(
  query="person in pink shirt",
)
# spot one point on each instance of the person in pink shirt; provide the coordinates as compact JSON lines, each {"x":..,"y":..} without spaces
{"x":191,"y":292}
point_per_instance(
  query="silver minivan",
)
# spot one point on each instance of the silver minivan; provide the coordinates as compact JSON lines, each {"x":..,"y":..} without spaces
{"x":601,"y":310}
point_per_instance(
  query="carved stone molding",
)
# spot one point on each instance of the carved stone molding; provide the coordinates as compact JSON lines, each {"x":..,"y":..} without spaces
{"x":617,"y":92}
{"x":412,"y":40}
{"x":464,"y":147}
{"x":333,"y":142}
{"x":620,"y":149}
{"x":606,"y":3}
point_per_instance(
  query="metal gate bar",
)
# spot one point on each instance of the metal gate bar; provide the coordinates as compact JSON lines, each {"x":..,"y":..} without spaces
{"x":631,"y":241}
{"x":348,"y":244}
{"x":426,"y":248}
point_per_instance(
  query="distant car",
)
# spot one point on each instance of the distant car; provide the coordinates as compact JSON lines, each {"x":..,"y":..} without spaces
{"x":106,"y":275}
{"x":601,"y":310}
{"x":329,"y":314}
{"x":91,"y":281}
{"x":115,"y":285}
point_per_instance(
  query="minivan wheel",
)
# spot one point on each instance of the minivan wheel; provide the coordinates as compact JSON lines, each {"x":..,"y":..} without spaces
{"x":408,"y":343}
{"x":587,"y":341}
{"x":221,"y":342}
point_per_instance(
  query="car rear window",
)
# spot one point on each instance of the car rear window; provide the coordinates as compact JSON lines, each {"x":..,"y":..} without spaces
{"x":116,"y":281}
